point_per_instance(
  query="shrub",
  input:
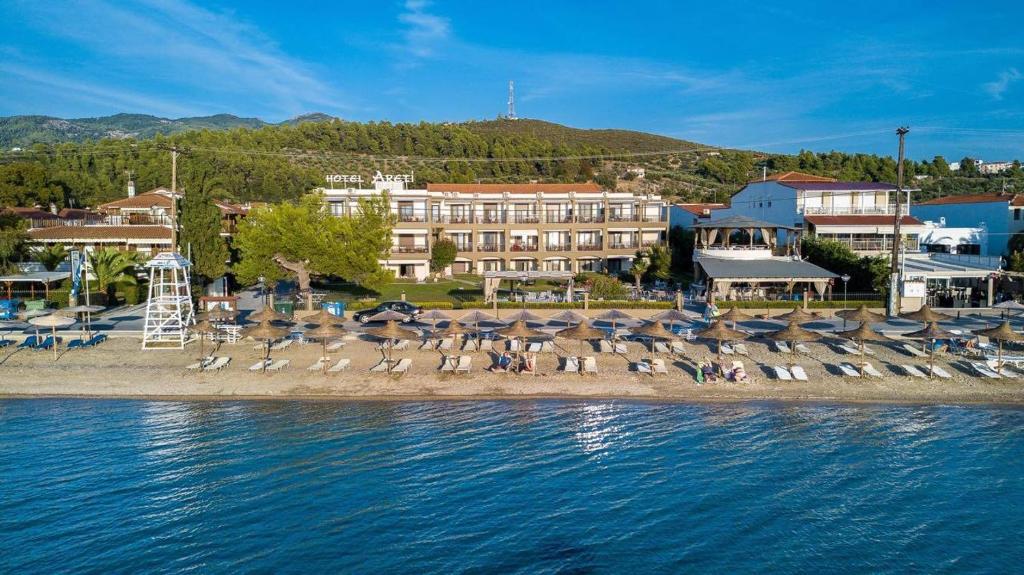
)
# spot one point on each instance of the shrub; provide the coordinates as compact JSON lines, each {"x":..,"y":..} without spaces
{"x":779,"y":304}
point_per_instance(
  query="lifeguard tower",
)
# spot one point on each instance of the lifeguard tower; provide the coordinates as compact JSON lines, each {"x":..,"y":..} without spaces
{"x":169,"y":309}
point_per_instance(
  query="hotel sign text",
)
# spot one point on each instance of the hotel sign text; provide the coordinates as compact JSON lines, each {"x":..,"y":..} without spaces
{"x":377,"y":177}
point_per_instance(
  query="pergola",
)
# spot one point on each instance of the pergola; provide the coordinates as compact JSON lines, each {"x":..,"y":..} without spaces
{"x":785,"y":272}
{"x":716,"y":235}
{"x":492,"y":279}
{"x":33,"y":278}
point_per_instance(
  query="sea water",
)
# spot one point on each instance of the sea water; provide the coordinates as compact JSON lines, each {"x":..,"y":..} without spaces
{"x":508,"y":487}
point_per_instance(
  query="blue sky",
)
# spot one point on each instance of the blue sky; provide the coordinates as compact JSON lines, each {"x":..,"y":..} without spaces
{"x":815,"y":75}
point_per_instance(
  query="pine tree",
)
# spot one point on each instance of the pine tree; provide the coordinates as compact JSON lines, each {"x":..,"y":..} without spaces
{"x":200,"y":235}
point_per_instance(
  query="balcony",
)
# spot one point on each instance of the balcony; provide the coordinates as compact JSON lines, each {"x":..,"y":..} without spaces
{"x":524,"y":218}
{"x":466,"y":218}
{"x":490,"y":247}
{"x":613,"y":217}
{"x":590,"y":218}
{"x":851,"y":211}
{"x":622,"y":245}
{"x":463,"y":246}
{"x":411,"y":216}
{"x":877,"y":244}
{"x":557,"y":218}
{"x":409,"y":249}
{"x":524,"y":247}
{"x":589,"y":246}
{"x":557,"y":247}
{"x":491,"y":218}
{"x":653,"y":218}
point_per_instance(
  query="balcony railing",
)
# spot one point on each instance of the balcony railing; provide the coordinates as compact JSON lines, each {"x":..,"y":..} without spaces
{"x":653,"y":218}
{"x":485,"y":247}
{"x":411,"y":216}
{"x":613,"y":217}
{"x":557,"y":218}
{"x":524,"y":218}
{"x":588,"y":246}
{"x":590,"y":218}
{"x":463,"y":247}
{"x":454,"y":218}
{"x":113,"y":220}
{"x":409,"y":249}
{"x":877,"y":244}
{"x":491,"y":218}
{"x":523,"y":248}
{"x":850,"y":210}
{"x":557,"y":247}
{"x":621,"y":245}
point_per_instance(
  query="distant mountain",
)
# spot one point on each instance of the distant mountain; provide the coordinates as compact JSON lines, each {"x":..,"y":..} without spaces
{"x":617,"y":140}
{"x":23,"y":131}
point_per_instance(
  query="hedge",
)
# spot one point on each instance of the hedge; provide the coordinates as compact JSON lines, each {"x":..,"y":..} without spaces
{"x":594,"y":304}
{"x":834,"y":304}
{"x":356,"y":305}
{"x":58,"y":298}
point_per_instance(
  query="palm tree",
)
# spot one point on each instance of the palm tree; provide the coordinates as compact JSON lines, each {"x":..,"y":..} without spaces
{"x":112,"y":267}
{"x":641,"y":263}
{"x":52,"y":256}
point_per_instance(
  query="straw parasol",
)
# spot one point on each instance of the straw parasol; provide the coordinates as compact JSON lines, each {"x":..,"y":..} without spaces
{"x":862,"y":334}
{"x":52,"y":321}
{"x":265,"y":331}
{"x":323,"y":317}
{"x":267,"y":314}
{"x":792,"y":334}
{"x":613,"y":316}
{"x":734,"y":315}
{"x":671,"y":316}
{"x":930,"y":333}
{"x":454,"y":330}
{"x":862,"y":314}
{"x":28,"y":314}
{"x":718,"y":331}
{"x":926,"y":315}
{"x":797,"y":315}
{"x":1001,"y":334}
{"x":519,"y":330}
{"x":388,"y":315}
{"x":203,"y":328}
{"x":523,"y":316}
{"x":390,"y":332}
{"x":655,"y":331}
{"x":569,"y":317}
{"x":581,"y":332}
{"x":87,"y":311}
{"x":1007,"y":306}
{"x":324,"y":332}
{"x":476,"y":317}
{"x":434,"y":315}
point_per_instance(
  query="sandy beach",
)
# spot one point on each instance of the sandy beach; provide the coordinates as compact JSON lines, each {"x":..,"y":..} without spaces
{"x":118,"y":368}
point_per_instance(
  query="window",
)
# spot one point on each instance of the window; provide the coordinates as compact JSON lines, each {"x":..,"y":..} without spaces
{"x":1016,"y":214}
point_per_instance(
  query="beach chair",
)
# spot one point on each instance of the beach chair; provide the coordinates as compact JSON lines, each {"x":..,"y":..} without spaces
{"x":802,"y":348}
{"x":197,"y":365}
{"x":401,"y":345}
{"x":983,"y":370}
{"x":871,"y":370}
{"x":469,"y":345}
{"x":605,"y":346}
{"x":659,"y":366}
{"x":5,"y":342}
{"x":644,"y":367}
{"x":912,"y":371}
{"x":782,"y":347}
{"x":336,"y":345}
{"x":677,"y":347}
{"x":913,"y":350}
{"x":798,"y":372}
{"x":342,"y":365}
{"x":319,"y":364}
{"x":46,"y":344}
{"x":727,"y":349}
{"x":448,"y":364}
{"x":533,"y":347}
{"x":96,"y":340}
{"x":589,"y":365}
{"x":486,"y":345}
{"x":464,"y":365}
{"x":402,"y":367}
{"x":661,"y":347}
{"x":848,"y":370}
{"x":621,"y":348}
{"x":278,"y":365}
{"x":547,"y":346}
{"x":380,"y":367}
{"x":512,"y":345}
{"x":446,"y":344}
{"x":848,"y":349}
{"x":936,"y":370}
{"x":75,"y":344}
{"x":782,"y":373}
{"x":28,"y":343}
{"x":428,"y":345}
{"x":217,"y":364}
{"x":571,"y":365}
{"x":281,"y":345}
{"x":741,"y":348}
{"x":258,"y":366}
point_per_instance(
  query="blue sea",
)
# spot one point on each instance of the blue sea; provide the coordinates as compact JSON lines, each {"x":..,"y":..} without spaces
{"x":103,"y":486}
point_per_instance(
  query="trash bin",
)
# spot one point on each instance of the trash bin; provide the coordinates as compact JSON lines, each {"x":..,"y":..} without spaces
{"x":285,"y":307}
{"x":334,"y":307}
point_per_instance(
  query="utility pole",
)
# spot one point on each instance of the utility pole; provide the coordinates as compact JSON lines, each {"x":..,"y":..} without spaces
{"x":897,"y":239}
{"x":174,"y":199}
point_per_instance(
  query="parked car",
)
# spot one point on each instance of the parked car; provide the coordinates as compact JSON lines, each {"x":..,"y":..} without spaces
{"x":402,"y":307}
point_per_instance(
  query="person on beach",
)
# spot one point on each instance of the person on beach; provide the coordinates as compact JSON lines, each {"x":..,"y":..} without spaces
{"x":530,"y":363}
{"x":504,"y":362}
{"x":708,"y":371}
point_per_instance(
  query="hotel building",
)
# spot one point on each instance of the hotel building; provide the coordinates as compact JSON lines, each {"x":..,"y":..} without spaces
{"x":522,"y":227}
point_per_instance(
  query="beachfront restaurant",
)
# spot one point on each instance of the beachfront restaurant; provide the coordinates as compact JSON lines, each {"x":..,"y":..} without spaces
{"x":949,"y":280}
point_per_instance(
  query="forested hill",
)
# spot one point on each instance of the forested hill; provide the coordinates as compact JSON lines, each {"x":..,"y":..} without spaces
{"x":283,"y":161}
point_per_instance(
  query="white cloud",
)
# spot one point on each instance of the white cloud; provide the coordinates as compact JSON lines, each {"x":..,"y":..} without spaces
{"x":999,"y":86}
{"x":424,"y":31}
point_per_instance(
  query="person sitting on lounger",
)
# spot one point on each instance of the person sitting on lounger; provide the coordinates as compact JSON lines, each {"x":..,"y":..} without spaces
{"x":504,"y":362}
{"x":739,"y":375}
{"x":530,"y":363}
{"x":708,"y":370}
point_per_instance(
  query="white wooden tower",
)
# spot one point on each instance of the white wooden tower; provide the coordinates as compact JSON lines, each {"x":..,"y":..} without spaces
{"x":169,"y":309}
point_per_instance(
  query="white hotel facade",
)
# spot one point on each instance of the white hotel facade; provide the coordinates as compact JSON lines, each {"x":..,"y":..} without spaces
{"x":502,"y":227}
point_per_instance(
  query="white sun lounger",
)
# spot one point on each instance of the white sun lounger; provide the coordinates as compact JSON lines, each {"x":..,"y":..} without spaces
{"x":848,"y":349}
{"x":802,"y":348}
{"x":533,"y":347}
{"x":741,"y":348}
{"x":590,"y":365}
{"x":428,"y":345}
{"x":661,"y":347}
{"x":402,"y":344}
{"x":336,"y":345}
{"x":621,"y":348}
{"x":644,"y":367}
{"x":464,"y":365}
{"x":512,"y":345}
{"x":486,"y":345}
{"x":217,"y":364}
{"x":278,"y":365}
{"x":677,"y":347}
{"x":380,"y":367}
{"x":936,"y":370}
{"x":445,"y":344}
{"x":469,"y":345}
{"x":258,"y":366}
{"x":572,"y":364}
{"x":448,"y":365}
{"x":727,"y":349}
{"x":319,"y":364}
{"x":848,"y":370}
{"x":782,"y":373}
{"x":283,"y":344}
{"x":912,"y":370}
{"x":342,"y":365}
{"x":798,"y":372}
{"x":984,"y":370}
{"x":913,"y":350}
{"x":605,"y":346}
{"x":871,"y":370}
{"x":402,"y":366}
{"x":659,"y":366}
{"x":782,"y":347}
{"x":200,"y":364}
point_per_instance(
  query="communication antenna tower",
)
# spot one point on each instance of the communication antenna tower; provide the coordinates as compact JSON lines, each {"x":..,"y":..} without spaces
{"x":511,"y":100}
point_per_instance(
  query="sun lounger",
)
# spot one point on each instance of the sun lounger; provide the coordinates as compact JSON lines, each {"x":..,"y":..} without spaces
{"x":782,"y":373}
{"x":572,"y":364}
{"x":75,"y":344}
{"x":782,"y":347}
{"x":446,"y":344}
{"x":427,"y":345}
{"x":217,"y":364}
{"x":342,"y":365}
{"x":96,"y":340}
{"x":547,"y":346}
{"x":848,"y":370}
{"x":661,"y":347}
{"x":382,"y":366}
{"x":727,"y":349}
{"x":984,"y":370}
{"x":278,"y":365}
{"x":29,"y":342}
{"x":798,"y":372}
{"x":871,"y":370}
{"x":848,"y":350}
{"x":197,"y":365}
{"x":46,"y":344}
{"x":644,"y":367}
{"x":336,"y":345}
{"x":448,"y":364}
{"x":621,"y":348}
{"x":402,"y":344}
{"x":486,"y":345}
{"x":283,"y":344}
{"x":912,"y":370}
{"x":936,"y":370}
{"x":802,"y":348}
{"x":512,"y":345}
{"x":677,"y":347}
{"x":402,"y":366}
{"x":741,"y":348}
{"x":533,"y":347}
{"x":259,"y":365}
{"x":590,"y":365}
{"x":464,"y":365}
{"x":5,"y":343}
{"x":914,"y":351}
{"x":605,"y":346}
{"x":659,"y":367}
{"x":319,"y":364}
{"x":469,"y":345}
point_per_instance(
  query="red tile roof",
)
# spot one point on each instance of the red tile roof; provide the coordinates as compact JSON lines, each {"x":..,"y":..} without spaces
{"x":796,"y":177}
{"x":698,"y":209}
{"x":92,"y":233}
{"x":31,"y":213}
{"x":861,"y":220}
{"x":1012,"y":199}
{"x":514,"y":188}
{"x":160,"y":197}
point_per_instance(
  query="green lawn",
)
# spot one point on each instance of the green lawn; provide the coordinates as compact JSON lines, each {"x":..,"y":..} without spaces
{"x":456,"y":289}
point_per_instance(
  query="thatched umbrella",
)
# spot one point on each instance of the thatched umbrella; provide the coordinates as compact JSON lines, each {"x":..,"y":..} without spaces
{"x":28,"y":314}
{"x":519,"y":330}
{"x":324,"y":332}
{"x":265,"y":332}
{"x":862,"y":334}
{"x":52,"y":321}
{"x":926,"y":315}
{"x":930,"y":333}
{"x":204,"y":327}
{"x":388,"y":315}
{"x":523,"y":316}
{"x":268,"y":314}
{"x":862,"y":314}
{"x":569,"y":317}
{"x":1007,"y":306}
{"x":671,"y":316}
{"x":1001,"y":334}
{"x":391,"y":332}
{"x":792,"y":334}
{"x":655,"y":331}
{"x":613,"y":316}
{"x":797,"y":315}
{"x":454,"y":330}
{"x":323,"y":317}
{"x":434,"y":315}
{"x":718,"y":331}
{"x":734,"y":315}
{"x":86,"y":311}
{"x":581,"y":332}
